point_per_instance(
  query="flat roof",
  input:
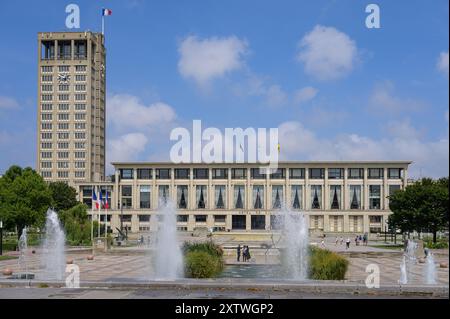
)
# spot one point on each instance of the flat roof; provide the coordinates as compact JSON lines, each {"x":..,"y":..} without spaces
{"x":405,"y":162}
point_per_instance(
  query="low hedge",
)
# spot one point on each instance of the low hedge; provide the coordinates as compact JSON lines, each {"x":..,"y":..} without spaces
{"x":326,"y":265}
{"x":202,"y":260}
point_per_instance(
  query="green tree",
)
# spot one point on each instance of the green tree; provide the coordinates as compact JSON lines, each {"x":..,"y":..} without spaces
{"x":422,"y":206}
{"x":63,"y":196}
{"x":24,"y":198}
{"x":76,"y":224}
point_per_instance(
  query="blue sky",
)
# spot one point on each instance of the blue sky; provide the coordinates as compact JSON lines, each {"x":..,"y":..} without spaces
{"x":334,"y":88}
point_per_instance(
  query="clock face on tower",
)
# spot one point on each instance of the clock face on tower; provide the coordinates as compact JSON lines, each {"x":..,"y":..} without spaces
{"x":63,"y":78}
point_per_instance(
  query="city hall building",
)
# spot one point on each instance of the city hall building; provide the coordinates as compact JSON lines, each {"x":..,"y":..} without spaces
{"x":336,"y":196}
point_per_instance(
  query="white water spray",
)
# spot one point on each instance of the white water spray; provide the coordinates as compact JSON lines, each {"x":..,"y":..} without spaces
{"x":53,"y":255}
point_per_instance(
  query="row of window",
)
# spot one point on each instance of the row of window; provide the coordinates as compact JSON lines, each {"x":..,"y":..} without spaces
{"x":62,"y":87}
{"x":77,"y":164}
{"x":49,"y":78}
{"x":64,"y":154}
{"x":64,"y":135}
{"x":63,"y":68}
{"x":63,"y":174}
{"x":63,"y":116}
{"x":63,"y":107}
{"x":256,"y":173}
{"x":63,"y":97}
{"x":64,"y":49}
{"x":63,"y":126}
{"x":278,"y":199}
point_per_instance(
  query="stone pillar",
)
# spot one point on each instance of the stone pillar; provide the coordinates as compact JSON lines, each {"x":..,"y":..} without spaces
{"x":365,"y":199}
{"x":326,"y":192}
{"x":346,"y":227}
{"x":385,"y":191}
{"x":134,"y":223}
{"x":228,"y":222}
{"x":307,"y":192}
{"x":118,"y":201}
{"x":345,"y":193}
{"x":366,"y":223}
{"x":326,"y":223}
{"x":135,"y":191}
{"x":248,"y":221}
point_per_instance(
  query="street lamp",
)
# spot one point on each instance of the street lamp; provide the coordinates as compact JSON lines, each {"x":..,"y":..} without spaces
{"x":1,"y":237}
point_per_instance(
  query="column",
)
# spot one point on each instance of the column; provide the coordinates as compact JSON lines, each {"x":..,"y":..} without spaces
{"x":365,"y":200}
{"x":405,"y":177}
{"x":326,"y":223}
{"x":385,"y":191}
{"x":248,"y":221}
{"x":135,"y":192}
{"x":366,"y":222}
{"x":134,"y":223}
{"x":345,"y":192}
{"x":326,"y":192}
{"x":307,"y":192}
{"x":346,"y":227}
{"x":118,"y":201}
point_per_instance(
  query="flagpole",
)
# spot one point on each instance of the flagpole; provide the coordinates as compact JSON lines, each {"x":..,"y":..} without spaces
{"x":92,"y":218}
{"x":98,"y":211}
{"x":103,"y":24}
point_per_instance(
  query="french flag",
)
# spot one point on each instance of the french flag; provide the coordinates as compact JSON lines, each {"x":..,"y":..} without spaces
{"x":106,"y":12}
{"x":94,"y":198}
{"x":106,"y":204}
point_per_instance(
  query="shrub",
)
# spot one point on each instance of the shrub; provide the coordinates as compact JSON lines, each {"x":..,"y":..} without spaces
{"x":326,"y":265}
{"x":203,"y":260}
{"x":436,"y":245}
{"x":200,"y":264}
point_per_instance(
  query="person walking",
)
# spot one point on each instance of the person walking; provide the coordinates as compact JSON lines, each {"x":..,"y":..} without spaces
{"x":348,"y":242}
{"x":248,"y":254}
{"x":342,"y":240}
{"x":244,"y":253}
{"x":337,"y":241}
{"x":238,"y":252}
{"x":356,"y":241}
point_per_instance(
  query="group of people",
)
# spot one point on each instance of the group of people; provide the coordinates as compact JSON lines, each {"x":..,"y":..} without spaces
{"x":364,"y":239}
{"x":244,"y":251}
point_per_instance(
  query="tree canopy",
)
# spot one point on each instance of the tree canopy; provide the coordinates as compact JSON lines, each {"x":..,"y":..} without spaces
{"x":421,"y":206}
{"x":63,"y":196}
{"x":24,"y":198}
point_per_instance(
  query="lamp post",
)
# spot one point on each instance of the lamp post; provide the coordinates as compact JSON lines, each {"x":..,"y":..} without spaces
{"x":1,"y":237}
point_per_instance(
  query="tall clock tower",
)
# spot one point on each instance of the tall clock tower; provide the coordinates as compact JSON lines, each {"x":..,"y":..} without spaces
{"x":71,"y":106}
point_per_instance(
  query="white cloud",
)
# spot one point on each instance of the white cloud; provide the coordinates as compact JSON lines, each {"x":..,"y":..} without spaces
{"x":442,"y":64}
{"x":205,"y":59}
{"x":305,"y":94}
{"x":275,"y":96}
{"x":127,"y":111}
{"x":127,"y":147}
{"x":327,"y":53}
{"x":384,"y":100}
{"x":8,"y":103}
{"x":429,"y":157}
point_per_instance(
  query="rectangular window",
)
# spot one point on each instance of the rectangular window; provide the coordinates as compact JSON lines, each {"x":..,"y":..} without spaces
{"x":279,"y":174}
{"x":63,"y":165}
{"x":80,"y":107}
{"x":201,"y":196}
{"x":46,"y":145}
{"x":316,"y":196}
{"x":355,"y":196}
{"x":63,"y":87}
{"x":47,"y":97}
{"x":182,"y":218}
{"x":335,"y":173}
{"x":63,"y":107}
{"x":277,"y":196}
{"x":296,"y":173}
{"x":144,"y":218}
{"x":238,"y":173}
{"x":355,"y":173}
{"x":80,"y":68}
{"x":63,"y":174}
{"x":80,"y":164}
{"x":46,"y":107}
{"x":47,"y":78}
{"x":200,"y":218}
{"x":63,"y":154}
{"x":79,"y":174}
{"x":163,"y":193}
{"x":144,"y":196}
{"x":80,"y":126}
{"x":63,"y":126}
{"x":63,"y":116}
{"x":47,"y":88}
{"x":46,"y":126}
{"x":80,"y":135}
{"x":162,"y":173}
{"x":46,"y":136}
{"x":80,"y":97}
{"x":80,"y":116}
{"x":201,"y":173}
{"x":375,"y":196}
{"x":127,"y":192}
{"x":220,"y":196}
{"x":316,"y":173}
{"x":80,"y":145}
{"x":63,"y":97}
{"x":375,"y":173}
{"x":394,"y":188}
{"x":335,"y":197}
{"x":258,"y":197}
{"x":296,"y":196}
{"x":238,"y":221}
{"x":256,"y":173}
{"x":46,"y":174}
{"x":219,"y":218}
{"x":64,"y":68}
{"x":258,"y":222}
{"x":80,"y":87}
{"x":80,"y":154}
{"x":182,"y":173}
{"x":46,"y":154}
{"x":47,"y":69}
{"x":182,"y":196}
{"x":46,"y":164}
{"x":239,"y":196}
{"x":63,"y":145}
{"x":46,"y":116}
{"x":126,"y":173}
{"x":394,"y":173}
{"x":80,"y":78}
{"x":144,"y":173}
{"x":219,"y":173}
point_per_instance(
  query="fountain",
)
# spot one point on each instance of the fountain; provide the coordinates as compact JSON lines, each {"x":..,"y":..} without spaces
{"x":403,"y":274}
{"x":23,"y":262}
{"x":53,"y":256}
{"x":295,"y":235}
{"x":430,"y":270}
{"x":409,"y":260}
{"x":168,"y":259}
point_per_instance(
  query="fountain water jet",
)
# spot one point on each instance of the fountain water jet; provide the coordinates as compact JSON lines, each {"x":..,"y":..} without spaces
{"x":53,"y":255}
{"x":168,"y":259}
{"x":403,"y":273}
{"x":430,"y":270}
{"x":294,"y":228}
{"x":23,"y":248}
